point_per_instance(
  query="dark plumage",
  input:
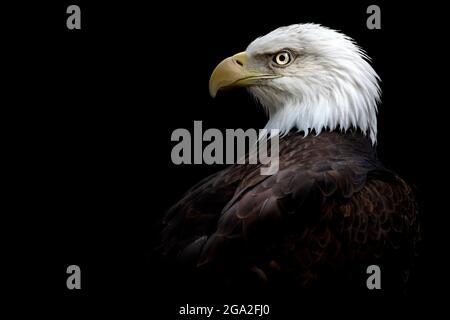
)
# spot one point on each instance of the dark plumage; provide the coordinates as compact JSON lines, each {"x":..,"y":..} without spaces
{"x":330,"y":211}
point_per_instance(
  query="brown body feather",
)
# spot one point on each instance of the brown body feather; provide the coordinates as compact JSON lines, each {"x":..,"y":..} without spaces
{"x":330,"y":211}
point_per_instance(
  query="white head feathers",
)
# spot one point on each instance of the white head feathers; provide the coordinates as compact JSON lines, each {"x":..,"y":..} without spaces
{"x":328,"y":85}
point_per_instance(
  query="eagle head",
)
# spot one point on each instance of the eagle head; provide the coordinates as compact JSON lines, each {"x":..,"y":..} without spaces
{"x":308,"y":77}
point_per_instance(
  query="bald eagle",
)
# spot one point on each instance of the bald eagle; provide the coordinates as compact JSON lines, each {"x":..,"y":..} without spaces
{"x":332,"y":210}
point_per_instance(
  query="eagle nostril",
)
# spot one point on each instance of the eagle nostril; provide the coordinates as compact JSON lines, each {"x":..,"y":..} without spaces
{"x":239,"y":62}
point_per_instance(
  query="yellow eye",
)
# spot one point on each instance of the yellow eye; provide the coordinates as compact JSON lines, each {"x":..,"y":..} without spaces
{"x":282,"y":58}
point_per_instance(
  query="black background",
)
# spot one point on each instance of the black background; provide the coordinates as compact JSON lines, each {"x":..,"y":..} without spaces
{"x":93,"y":111}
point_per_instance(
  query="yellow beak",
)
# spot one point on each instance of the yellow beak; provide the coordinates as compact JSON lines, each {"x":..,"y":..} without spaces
{"x":232,"y":72}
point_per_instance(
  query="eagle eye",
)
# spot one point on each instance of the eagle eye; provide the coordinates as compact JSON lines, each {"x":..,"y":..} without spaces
{"x":282,"y":58}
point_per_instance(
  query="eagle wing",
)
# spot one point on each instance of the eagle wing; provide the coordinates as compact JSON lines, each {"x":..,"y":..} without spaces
{"x":328,"y":210}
